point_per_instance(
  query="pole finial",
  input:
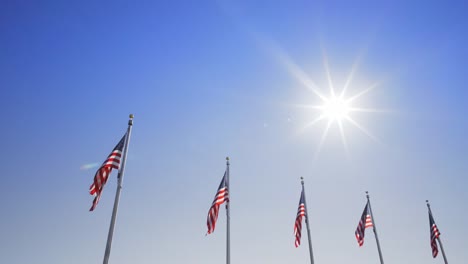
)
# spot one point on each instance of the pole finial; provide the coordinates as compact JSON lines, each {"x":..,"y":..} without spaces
{"x":367,"y":194}
{"x":131,"y":116}
{"x":130,"y":121}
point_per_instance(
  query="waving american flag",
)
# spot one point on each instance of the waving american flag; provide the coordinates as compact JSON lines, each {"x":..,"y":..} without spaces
{"x":364,"y":222}
{"x":102,"y":174}
{"x":301,"y":212}
{"x":221,"y":196}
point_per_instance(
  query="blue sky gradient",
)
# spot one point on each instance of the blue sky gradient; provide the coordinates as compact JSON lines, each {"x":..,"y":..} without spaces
{"x":210,"y":79}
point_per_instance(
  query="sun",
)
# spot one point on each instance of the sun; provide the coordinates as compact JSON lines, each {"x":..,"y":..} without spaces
{"x":335,"y":109}
{"x":338,"y":108}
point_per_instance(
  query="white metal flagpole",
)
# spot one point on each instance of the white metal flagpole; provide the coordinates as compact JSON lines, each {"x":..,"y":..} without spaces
{"x":375,"y":229}
{"x":307,"y":223}
{"x":228,"y":218}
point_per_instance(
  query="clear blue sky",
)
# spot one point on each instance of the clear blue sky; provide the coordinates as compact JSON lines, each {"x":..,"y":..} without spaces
{"x":209,"y":79}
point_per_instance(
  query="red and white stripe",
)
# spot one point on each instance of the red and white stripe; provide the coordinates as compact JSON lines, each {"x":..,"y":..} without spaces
{"x":434,"y":235}
{"x":368,"y":222}
{"x":364,"y":222}
{"x":221,"y":196}
{"x":301,"y":212}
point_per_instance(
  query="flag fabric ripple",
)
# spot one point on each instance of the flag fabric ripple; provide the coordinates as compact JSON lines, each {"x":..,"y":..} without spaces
{"x":301,"y":212}
{"x":364,"y":222}
{"x":102,"y":174}
{"x":221,"y":196}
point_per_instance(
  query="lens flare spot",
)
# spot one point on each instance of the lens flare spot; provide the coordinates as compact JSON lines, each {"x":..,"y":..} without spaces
{"x":89,"y":166}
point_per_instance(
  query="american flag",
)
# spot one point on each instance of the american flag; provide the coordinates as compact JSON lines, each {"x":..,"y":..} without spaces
{"x":434,"y":235}
{"x":221,"y":196}
{"x":102,"y":174}
{"x":301,"y":212}
{"x":364,"y":222}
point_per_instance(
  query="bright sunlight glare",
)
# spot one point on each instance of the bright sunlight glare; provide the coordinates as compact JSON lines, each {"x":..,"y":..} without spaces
{"x":335,"y":109}
{"x":338,"y":107}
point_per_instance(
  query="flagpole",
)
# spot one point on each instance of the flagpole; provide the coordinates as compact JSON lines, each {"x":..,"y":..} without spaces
{"x":117,"y":193}
{"x":228,"y":218}
{"x":307,"y":223}
{"x":438,"y":238}
{"x":375,"y":229}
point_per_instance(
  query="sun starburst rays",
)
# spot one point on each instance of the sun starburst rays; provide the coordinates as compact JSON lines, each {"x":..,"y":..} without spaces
{"x":322,"y":139}
{"x":337,"y":100}
{"x":350,"y":76}
{"x":343,"y":138}
{"x":299,"y":74}
{"x":316,"y":120}
{"x":327,"y":69}
{"x":336,"y":108}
